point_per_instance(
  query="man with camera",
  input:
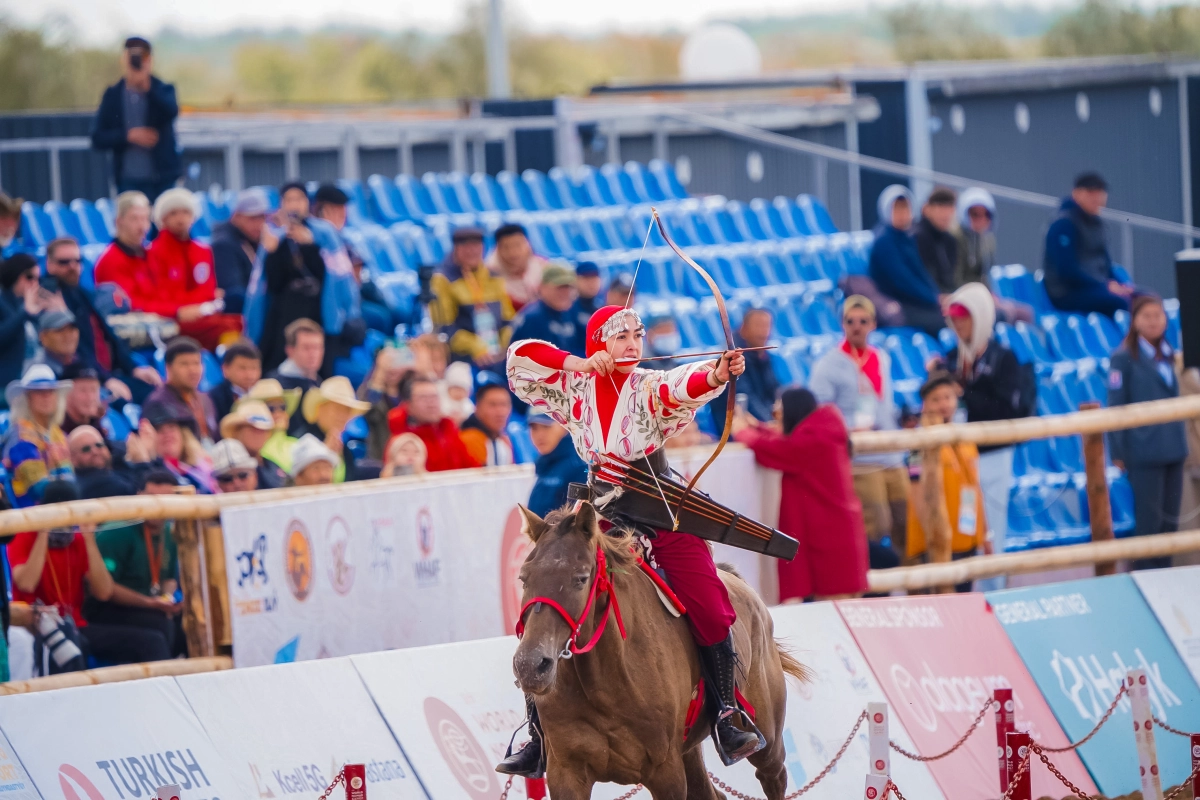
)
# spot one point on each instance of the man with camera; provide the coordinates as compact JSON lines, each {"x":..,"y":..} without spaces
{"x":136,"y":121}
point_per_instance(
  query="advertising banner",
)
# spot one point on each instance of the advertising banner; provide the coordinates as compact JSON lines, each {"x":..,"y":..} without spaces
{"x":821,"y":713}
{"x":15,"y":783}
{"x":288,"y":729}
{"x":938,"y":659}
{"x":1174,"y":597}
{"x":1078,"y":640}
{"x":116,"y":741}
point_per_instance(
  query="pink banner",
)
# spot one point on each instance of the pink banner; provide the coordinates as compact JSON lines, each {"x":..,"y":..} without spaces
{"x":938,"y":659}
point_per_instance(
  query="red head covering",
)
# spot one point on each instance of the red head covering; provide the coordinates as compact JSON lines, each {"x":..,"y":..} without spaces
{"x":595,"y":340}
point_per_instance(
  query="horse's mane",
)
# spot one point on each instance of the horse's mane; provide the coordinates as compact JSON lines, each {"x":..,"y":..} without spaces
{"x":620,"y":548}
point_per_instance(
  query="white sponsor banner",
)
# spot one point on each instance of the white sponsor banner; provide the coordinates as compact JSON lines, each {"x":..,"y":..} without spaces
{"x":15,"y":783}
{"x":821,"y":713}
{"x":1174,"y":597}
{"x":327,"y":577}
{"x":117,"y":741}
{"x":286,"y":730}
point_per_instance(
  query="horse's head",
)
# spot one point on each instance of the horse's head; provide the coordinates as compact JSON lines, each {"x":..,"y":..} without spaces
{"x":560,"y":568}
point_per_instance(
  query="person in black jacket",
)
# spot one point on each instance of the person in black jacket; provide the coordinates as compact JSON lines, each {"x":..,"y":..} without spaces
{"x":241,"y":366}
{"x":557,"y":466}
{"x":235,"y":246}
{"x":21,"y":301}
{"x":995,"y":386}
{"x":136,"y":121}
{"x":936,"y":241}
{"x":1143,"y":368}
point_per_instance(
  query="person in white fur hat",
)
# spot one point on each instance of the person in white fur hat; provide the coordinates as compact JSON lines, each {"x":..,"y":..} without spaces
{"x":181,"y":283}
{"x":312,"y":462}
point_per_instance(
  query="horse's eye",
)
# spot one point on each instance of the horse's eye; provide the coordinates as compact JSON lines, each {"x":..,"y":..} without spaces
{"x":582,"y":578}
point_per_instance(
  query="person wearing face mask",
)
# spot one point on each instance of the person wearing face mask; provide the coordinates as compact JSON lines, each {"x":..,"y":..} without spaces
{"x":663,"y":341}
{"x":551,"y":318}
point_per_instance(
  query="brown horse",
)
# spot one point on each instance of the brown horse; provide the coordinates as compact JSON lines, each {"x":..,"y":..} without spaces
{"x":617,"y":713}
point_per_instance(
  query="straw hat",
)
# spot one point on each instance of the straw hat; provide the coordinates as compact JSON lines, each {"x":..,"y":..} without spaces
{"x":270,"y":389}
{"x":248,"y":412}
{"x":337,"y":389}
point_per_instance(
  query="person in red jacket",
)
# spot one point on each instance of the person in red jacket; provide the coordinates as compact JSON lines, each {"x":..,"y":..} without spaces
{"x":182,"y":282}
{"x":818,"y":506}
{"x":124,"y":262}
{"x":422,"y":415}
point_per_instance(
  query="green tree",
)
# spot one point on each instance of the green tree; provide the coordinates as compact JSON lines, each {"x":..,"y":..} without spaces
{"x":1097,"y":28}
{"x":923,"y":31}
{"x":270,"y":73}
{"x":40,"y":73}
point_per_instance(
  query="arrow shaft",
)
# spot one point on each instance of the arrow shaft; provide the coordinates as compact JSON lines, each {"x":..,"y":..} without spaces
{"x":693,"y":355}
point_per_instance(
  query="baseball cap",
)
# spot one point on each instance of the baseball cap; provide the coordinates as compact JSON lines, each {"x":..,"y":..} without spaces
{"x":252,"y":202}
{"x":137,"y":41}
{"x":466,"y":234}
{"x":80,"y":371}
{"x":558,"y":274}
{"x":54,"y":320}
{"x":540,"y":419}
{"x":587,"y":269}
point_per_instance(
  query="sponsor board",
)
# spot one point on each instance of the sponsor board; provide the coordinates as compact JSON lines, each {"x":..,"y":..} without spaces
{"x":938,"y":659}
{"x":116,"y":741}
{"x":1172,"y":596}
{"x":15,"y":783}
{"x":1078,"y":640}
{"x":285,"y":731}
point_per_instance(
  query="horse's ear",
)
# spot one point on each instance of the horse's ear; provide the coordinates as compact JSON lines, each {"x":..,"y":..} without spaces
{"x":534,"y":525}
{"x":586,"y":520}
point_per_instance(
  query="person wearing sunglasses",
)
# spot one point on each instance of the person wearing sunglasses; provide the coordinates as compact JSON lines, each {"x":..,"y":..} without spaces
{"x":251,"y":424}
{"x":233,"y":467}
{"x":22,"y":301}
{"x":281,"y":404}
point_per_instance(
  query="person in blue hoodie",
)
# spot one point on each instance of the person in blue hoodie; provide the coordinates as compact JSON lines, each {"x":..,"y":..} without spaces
{"x":557,"y":466}
{"x":1079,"y":273}
{"x":896,"y":267}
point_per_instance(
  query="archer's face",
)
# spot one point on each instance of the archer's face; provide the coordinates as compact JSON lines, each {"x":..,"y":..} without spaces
{"x":626,"y":344}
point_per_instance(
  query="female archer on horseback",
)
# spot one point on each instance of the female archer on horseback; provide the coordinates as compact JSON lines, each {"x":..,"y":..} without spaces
{"x":618,"y":414}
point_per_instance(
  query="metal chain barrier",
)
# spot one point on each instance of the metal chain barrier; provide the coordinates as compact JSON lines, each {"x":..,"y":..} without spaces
{"x":1041,"y":754}
{"x":1171,"y":795}
{"x":1169,"y":729}
{"x":961,"y":740}
{"x":507,"y":786}
{"x":1015,"y":778}
{"x":1112,"y":707}
{"x":341,"y":776}
{"x":631,"y":792}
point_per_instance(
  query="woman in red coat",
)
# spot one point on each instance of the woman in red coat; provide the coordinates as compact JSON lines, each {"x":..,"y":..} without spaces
{"x":818,"y":506}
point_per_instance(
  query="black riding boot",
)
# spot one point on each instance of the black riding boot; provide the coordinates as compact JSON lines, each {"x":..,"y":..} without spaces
{"x":529,"y":761}
{"x":733,"y":743}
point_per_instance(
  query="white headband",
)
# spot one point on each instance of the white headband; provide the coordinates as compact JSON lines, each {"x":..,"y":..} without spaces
{"x":619,"y":322}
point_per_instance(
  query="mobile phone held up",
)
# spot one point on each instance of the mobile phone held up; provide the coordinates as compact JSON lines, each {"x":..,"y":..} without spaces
{"x":135,"y":60}
{"x":49,"y":283}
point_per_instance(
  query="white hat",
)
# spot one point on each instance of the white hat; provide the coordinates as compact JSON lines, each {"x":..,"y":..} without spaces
{"x":459,"y":374}
{"x":38,"y":376}
{"x":307,"y":450}
{"x":174,"y":200}
{"x":230,"y":454}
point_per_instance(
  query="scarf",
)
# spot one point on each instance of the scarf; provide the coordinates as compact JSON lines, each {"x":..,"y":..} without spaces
{"x":867,"y":360}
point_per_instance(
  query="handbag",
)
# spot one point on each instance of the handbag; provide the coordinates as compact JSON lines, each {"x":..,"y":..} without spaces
{"x":307,"y":284}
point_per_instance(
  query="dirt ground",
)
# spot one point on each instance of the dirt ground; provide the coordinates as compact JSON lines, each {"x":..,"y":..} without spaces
{"x":1186,"y":794}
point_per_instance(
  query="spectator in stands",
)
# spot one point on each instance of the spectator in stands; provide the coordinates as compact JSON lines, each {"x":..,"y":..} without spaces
{"x":124,"y":261}
{"x":234,"y":468}
{"x":136,"y":122}
{"x":330,"y":204}
{"x":252,"y":425}
{"x":21,"y":301}
{"x":936,"y":241}
{"x":422,"y":415}
{"x":857,"y":378}
{"x":759,"y":382}
{"x":818,"y":506}
{"x":406,"y":455}
{"x":10,"y":225}
{"x":98,"y":344}
{"x":306,"y":274}
{"x":180,"y":397}
{"x":282,"y":403}
{"x":514,"y":261}
{"x":1143,"y":368}
{"x":432,"y":352}
{"x":895,"y":263}
{"x":1078,"y":272}
{"x":327,"y":410}
{"x":663,"y":342}
{"x":621,"y":291}
{"x":144,"y":563}
{"x":994,"y":386}
{"x":62,"y":566}
{"x":588,"y":284}
{"x":960,"y":485}
{"x":976,"y":237}
{"x":58,"y":340}
{"x":84,"y":404}
{"x":100,"y":472}
{"x":235,"y":246}
{"x":455,"y":391}
{"x":304,"y":346}
{"x":484,"y":431}
{"x":181,"y":284}
{"x":552,"y":317}
{"x":313,"y":464}
{"x":385,"y":388}
{"x":35,"y":449}
{"x":557,"y":466}
{"x":471,"y":306}
{"x":176,"y":444}
{"x":241,"y":366}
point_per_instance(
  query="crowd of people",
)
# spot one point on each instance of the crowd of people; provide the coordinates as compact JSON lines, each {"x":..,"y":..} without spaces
{"x":279,"y":296}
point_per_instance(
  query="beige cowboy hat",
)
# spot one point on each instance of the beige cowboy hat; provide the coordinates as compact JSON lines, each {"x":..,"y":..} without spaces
{"x":248,"y":412}
{"x":337,"y":389}
{"x":270,"y":389}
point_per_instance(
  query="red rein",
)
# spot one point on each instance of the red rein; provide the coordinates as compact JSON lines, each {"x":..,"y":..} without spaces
{"x":601,"y":585}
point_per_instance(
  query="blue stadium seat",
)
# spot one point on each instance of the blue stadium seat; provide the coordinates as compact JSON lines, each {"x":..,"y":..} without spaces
{"x":212,"y":371}
{"x":644,"y":183}
{"x":543,"y":191}
{"x":815,"y":214}
{"x":1171,"y":306}
{"x":597,"y":190}
{"x":36,"y":226}
{"x":722,"y":224}
{"x":415,"y":196}
{"x":619,"y":185}
{"x":746,"y":222}
{"x":516,"y":193}
{"x":491,"y":196}
{"x":667,"y":179}
{"x":445,"y":202}
{"x":518,"y":433}
{"x":386,"y":203}
{"x":92,"y":224}
{"x":1088,"y":336}
{"x":201,"y":229}
{"x":1015,"y":282}
{"x":464,"y":190}
{"x":1006,"y":337}
{"x":64,"y":220}
{"x":116,"y":425}
{"x":768,"y":218}
{"x":818,"y":319}
{"x":792,"y":216}
{"x":928,"y":347}
{"x":358,"y":210}
{"x":571,"y":193}
{"x":1105,"y":330}
{"x":1064,"y":340}
{"x":948,"y":340}
{"x":1120,"y":495}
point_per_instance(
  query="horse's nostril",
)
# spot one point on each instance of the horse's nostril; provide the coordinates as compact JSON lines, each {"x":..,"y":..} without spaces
{"x":544,"y":665}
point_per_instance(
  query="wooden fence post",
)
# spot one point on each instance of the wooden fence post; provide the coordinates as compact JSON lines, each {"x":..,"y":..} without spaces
{"x":1097,"y":490}
{"x":193,"y":580}
{"x":218,"y":586}
{"x":935,"y":519}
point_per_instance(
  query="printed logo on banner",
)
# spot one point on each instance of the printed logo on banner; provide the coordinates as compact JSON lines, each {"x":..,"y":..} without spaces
{"x":1090,"y":687}
{"x":70,"y":779}
{"x":383,"y":549}
{"x":256,"y":775}
{"x":252,"y":575}
{"x":134,"y":776}
{"x":857,"y":682}
{"x":341,"y":571}
{"x":298,"y":559}
{"x":428,"y":568}
{"x":514,"y":549}
{"x":461,"y":751}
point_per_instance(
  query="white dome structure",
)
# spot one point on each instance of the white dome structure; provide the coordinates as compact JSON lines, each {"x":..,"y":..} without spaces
{"x":719,"y":51}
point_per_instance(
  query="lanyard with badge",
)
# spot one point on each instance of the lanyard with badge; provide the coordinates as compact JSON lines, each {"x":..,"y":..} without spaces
{"x":486,"y":326}
{"x":155,"y":559}
{"x":968,"y":517}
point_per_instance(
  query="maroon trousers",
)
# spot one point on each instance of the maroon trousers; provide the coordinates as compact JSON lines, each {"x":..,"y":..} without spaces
{"x":690,"y":569}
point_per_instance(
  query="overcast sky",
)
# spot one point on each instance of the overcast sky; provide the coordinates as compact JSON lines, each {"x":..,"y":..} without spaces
{"x":104,"y":20}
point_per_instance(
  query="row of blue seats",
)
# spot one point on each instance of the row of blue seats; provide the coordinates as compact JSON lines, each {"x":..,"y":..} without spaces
{"x":1046,"y":510}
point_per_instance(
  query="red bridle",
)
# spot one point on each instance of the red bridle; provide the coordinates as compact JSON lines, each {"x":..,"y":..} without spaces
{"x":600,"y":585}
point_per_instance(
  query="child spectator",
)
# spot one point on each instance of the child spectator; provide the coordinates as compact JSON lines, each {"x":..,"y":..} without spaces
{"x":36,"y":451}
{"x":895,"y":264}
{"x":406,"y":455}
{"x":304,"y":345}
{"x":456,"y":402}
{"x":241,"y":366}
{"x":960,"y":482}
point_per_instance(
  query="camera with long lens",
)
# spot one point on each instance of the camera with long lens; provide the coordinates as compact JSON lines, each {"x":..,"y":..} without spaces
{"x":54,"y":634}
